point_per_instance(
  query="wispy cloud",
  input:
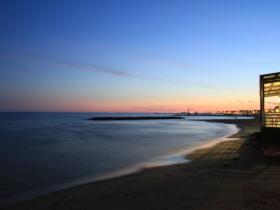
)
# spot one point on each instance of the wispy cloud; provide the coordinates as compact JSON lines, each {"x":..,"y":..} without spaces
{"x":168,"y":62}
{"x":98,"y":69}
{"x":68,"y":63}
{"x":84,"y":67}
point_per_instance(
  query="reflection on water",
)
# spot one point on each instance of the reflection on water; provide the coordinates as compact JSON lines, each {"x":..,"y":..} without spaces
{"x":45,"y":150}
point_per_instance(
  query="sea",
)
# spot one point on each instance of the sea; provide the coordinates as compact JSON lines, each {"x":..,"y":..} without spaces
{"x":46,"y":152}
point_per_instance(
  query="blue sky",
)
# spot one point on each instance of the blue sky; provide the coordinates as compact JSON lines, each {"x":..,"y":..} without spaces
{"x":135,"y":55}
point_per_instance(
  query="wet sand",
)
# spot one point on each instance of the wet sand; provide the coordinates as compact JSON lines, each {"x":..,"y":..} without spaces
{"x":230,"y":175}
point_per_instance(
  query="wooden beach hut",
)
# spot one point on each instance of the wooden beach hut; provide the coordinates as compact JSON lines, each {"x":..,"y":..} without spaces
{"x":270,"y":111}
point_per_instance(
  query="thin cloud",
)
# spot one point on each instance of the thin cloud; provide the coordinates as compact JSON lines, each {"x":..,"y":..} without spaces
{"x":169,"y":62}
{"x":65,"y":63}
{"x":98,"y":69}
{"x":86,"y":67}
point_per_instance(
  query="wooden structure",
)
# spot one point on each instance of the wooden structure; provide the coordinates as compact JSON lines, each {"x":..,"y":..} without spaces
{"x":269,"y":109}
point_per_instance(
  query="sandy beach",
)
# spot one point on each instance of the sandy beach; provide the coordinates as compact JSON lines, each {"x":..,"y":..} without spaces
{"x":230,"y":175}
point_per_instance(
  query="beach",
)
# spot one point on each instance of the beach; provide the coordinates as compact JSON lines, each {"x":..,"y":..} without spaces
{"x":232,"y":174}
{"x":139,"y":105}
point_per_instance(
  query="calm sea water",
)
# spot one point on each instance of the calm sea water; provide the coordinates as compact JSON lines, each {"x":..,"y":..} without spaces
{"x":46,"y":151}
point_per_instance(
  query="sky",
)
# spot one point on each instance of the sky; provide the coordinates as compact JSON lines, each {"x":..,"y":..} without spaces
{"x":136,"y":56}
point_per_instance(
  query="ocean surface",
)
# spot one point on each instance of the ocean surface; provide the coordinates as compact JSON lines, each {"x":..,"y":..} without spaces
{"x":43,"y":152}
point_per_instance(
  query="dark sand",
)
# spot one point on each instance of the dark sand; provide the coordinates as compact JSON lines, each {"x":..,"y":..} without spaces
{"x":230,"y":175}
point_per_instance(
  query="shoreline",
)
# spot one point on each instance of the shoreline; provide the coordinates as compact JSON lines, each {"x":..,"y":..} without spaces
{"x":149,"y":174}
{"x":173,"y":158}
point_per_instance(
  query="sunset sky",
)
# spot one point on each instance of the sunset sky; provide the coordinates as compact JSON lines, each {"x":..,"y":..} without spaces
{"x":136,"y":56}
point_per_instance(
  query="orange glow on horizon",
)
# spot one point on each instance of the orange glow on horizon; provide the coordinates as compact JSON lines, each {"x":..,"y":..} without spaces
{"x":166,"y":104}
{"x":212,"y":106}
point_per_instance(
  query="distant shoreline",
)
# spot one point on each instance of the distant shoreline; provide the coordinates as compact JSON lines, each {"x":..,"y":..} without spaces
{"x":136,"y":118}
